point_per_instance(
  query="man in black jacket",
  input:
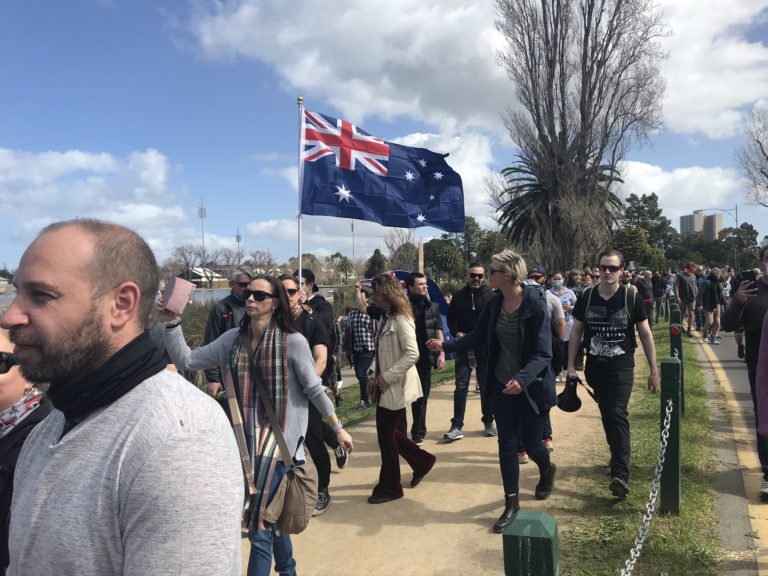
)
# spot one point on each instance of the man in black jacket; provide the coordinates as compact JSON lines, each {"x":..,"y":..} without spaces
{"x":426,"y":315}
{"x":225,"y":315}
{"x":463,"y":312}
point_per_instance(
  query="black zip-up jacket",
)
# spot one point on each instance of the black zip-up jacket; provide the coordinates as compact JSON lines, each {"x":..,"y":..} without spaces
{"x":225,"y":315}
{"x":10,"y":447}
{"x":465,"y":308}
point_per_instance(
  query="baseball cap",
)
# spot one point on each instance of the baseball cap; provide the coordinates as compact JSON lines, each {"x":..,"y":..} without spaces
{"x":309,"y":276}
{"x":537,"y":271}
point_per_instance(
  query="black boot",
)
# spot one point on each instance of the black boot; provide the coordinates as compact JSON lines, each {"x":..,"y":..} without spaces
{"x":511,"y":508}
{"x":546,"y":483}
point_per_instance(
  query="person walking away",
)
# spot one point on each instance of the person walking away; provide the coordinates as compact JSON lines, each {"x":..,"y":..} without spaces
{"x":711,"y":300}
{"x":268,"y":347}
{"x":644,"y":287}
{"x":226,"y":314}
{"x":395,"y":385}
{"x":136,"y":471}
{"x":607,"y":316}
{"x":658,"y":289}
{"x":515,"y":329}
{"x":463,"y":312}
{"x":747,"y":310}
{"x":360,"y":326}
{"x":568,"y":300}
{"x":429,"y":325}
{"x":685,"y":294}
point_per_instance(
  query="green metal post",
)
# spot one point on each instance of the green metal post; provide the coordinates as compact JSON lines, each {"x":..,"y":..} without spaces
{"x":530,"y":545}
{"x":676,"y":351}
{"x":670,"y":474}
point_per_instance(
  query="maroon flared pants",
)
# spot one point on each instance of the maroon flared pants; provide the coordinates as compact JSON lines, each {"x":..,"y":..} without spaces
{"x":393,"y":444}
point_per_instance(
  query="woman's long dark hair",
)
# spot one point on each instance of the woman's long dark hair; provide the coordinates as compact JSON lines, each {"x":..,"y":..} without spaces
{"x":282,"y":314}
{"x":570,"y":282}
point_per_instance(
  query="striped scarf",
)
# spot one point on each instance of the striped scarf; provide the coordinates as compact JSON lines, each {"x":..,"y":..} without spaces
{"x":258,"y":445}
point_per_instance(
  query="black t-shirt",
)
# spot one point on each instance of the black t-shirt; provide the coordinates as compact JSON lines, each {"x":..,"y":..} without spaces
{"x":609,"y":325}
{"x":644,"y":289}
{"x":313,"y":330}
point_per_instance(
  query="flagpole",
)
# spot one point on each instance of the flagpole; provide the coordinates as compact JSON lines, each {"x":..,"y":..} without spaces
{"x":300,"y":102}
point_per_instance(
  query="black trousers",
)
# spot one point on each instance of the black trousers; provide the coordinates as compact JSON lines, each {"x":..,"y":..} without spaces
{"x":419,"y":408}
{"x":316,"y":447}
{"x":613,"y":388}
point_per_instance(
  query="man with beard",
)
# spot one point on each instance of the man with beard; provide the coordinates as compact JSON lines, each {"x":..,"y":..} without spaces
{"x":429,"y":325}
{"x":141,"y":467}
{"x":463,"y":312}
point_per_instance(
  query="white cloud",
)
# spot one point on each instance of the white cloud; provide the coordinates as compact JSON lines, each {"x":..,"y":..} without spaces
{"x":37,"y":188}
{"x":713,"y":70}
{"x":684,"y":190}
{"x":388,"y":58}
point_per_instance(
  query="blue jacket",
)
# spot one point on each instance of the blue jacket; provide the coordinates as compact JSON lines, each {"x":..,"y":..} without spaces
{"x":535,"y":332}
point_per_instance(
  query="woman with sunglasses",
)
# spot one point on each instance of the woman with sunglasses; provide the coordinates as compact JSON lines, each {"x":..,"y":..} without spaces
{"x":267,"y":346}
{"x":394,"y":386}
{"x":515,"y":330}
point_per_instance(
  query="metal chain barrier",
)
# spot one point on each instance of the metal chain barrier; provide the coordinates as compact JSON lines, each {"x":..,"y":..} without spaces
{"x":650,"y":507}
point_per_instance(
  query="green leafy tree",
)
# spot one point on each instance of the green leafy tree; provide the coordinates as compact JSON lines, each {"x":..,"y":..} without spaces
{"x":467,"y":242}
{"x":376,"y":264}
{"x":632,"y":242}
{"x":644,"y":211}
{"x":491,"y":242}
{"x":741,"y":242}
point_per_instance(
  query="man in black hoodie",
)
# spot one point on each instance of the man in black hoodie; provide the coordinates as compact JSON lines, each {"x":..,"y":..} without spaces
{"x":463,"y":312}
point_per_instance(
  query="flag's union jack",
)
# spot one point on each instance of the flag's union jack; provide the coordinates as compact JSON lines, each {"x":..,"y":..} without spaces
{"x":350,"y":145}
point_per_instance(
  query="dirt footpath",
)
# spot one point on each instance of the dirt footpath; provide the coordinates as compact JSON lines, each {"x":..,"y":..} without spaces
{"x":444,"y":525}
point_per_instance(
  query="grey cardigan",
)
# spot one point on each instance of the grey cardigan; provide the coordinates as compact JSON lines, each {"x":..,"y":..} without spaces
{"x":303,"y":384}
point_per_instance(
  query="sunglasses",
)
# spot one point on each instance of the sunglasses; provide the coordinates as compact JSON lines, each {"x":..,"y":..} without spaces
{"x":496,"y":270}
{"x":258,"y":295}
{"x":476,"y":276}
{"x":7,"y":361}
{"x":606,"y":268}
{"x":242,"y":284}
{"x":292,"y":291}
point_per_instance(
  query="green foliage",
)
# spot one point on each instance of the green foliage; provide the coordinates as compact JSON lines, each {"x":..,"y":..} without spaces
{"x":376,"y":264}
{"x":644,"y":212}
{"x":632,"y":242}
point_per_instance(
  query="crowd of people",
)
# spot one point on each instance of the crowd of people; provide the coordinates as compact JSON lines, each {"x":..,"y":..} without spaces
{"x":117,"y":425}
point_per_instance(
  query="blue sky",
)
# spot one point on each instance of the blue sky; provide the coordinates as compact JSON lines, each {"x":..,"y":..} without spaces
{"x":134,"y":110}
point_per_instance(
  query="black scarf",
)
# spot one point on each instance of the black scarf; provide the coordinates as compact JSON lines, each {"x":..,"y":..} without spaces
{"x":125,"y":370}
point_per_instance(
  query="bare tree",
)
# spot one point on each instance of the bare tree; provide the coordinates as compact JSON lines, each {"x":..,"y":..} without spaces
{"x":403,"y":249}
{"x":230,"y":258}
{"x":263,"y":261}
{"x":587,"y":80}
{"x":206,"y":258}
{"x":753,"y":156}
{"x":186,"y":257}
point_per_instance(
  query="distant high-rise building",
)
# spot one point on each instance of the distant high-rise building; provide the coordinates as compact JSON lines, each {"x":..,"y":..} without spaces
{"x":710,"y":225}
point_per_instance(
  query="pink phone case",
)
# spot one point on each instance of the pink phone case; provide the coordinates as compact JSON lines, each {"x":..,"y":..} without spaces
{"x":176,"y":294}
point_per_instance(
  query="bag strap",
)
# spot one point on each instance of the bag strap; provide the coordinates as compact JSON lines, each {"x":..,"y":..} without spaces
{"x":274,"y":422}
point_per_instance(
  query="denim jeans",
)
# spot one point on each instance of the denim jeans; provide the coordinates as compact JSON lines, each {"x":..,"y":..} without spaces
{"x":515,"y":419}
{"x":362,"y":362}
{"x":267,"y":541}
{"x":463,"y":371}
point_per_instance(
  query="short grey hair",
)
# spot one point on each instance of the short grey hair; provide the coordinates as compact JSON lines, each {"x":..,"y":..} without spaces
{"x":239,"y":271}
{"x":513,"y":265}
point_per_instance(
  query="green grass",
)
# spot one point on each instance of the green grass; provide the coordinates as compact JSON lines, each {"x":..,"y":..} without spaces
{"x":351,"y":415}
{"x":601,"y":533}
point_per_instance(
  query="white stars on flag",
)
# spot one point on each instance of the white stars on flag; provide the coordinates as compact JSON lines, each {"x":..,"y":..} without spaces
{"x":431,"y":196}
{"x":422,"y":163}
{"x":438,"y":175}
{"x":409,"y":176}
{"x":421,"y":218}
{"x":343,"y":193}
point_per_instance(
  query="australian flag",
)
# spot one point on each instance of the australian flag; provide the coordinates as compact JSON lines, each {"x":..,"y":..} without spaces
{"x":350,"y":174}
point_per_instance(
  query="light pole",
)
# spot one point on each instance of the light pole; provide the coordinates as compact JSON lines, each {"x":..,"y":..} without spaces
{"x":733,"y":213}
{"x":238,"y":238}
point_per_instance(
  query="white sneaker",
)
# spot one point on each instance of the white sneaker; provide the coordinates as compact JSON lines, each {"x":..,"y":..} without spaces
{"x":764,"y":490}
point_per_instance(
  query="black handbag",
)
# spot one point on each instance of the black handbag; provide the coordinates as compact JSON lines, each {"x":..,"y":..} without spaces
{"x":568,"y":400}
